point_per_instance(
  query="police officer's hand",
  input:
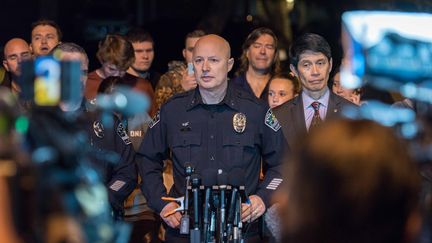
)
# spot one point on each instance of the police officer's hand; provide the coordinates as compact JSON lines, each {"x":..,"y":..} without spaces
{"x":253,"y":210}
{"x":188,"y":82}
{"x":172,"y":220}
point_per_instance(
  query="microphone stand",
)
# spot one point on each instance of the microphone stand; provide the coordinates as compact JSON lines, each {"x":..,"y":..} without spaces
{"x":237,"y":225}
{"x":231,"y":212}
{"x":222,"y":181}
{"x":209,"y":179}
{"x":185,"y":219}
{"x":195,"y":233}
{"x":212,"y":234}
{"x":206,"y":221}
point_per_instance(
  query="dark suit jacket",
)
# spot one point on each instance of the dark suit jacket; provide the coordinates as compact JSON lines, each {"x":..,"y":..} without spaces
{"x":291,"y":115}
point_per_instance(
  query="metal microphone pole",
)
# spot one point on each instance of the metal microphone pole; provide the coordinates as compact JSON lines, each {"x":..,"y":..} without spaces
{"x":185,"y":219}
{"x":195,"y":233}
{"x":236,"y":179}
{"x":222,"y":181}
{"x":209,"y":178}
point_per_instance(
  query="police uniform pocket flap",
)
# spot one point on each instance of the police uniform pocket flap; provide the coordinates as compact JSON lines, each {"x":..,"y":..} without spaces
{"x":186,"y":140}
{"x":243,"y":140}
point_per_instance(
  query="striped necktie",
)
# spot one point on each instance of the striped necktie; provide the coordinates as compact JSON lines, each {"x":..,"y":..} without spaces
{"x":316,"y":120}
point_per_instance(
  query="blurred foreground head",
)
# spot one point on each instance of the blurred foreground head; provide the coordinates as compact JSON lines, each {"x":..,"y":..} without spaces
{"x":350,"y":181}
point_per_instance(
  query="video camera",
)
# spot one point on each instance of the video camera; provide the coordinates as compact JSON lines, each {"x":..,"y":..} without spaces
{"x":390,"y":57}
{"x":47,"y":81}
{"x":391,"y":50}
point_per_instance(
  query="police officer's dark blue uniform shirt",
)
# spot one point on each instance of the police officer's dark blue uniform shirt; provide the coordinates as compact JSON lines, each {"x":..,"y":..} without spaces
{"x":206,"y":136}
{"x":114,"y":154}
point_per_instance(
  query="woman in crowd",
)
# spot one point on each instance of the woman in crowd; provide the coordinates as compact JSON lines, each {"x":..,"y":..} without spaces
{"x":282,"y":88}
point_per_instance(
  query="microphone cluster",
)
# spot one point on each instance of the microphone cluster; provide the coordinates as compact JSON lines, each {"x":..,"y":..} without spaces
{"x":216,"y":205}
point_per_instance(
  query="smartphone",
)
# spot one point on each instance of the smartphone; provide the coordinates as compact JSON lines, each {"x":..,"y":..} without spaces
{"x":190,"y":68}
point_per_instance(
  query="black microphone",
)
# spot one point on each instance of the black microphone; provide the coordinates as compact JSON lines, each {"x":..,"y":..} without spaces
{"x":234,"y":178}
{"x":237,"y":181}
{"x":184,"y":221}
{"x":212,"y":227}
{"x":195,"y":232}
{"x":209,"y":178}
{"x":222,"y":179}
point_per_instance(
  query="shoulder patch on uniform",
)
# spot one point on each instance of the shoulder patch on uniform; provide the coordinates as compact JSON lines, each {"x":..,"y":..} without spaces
{"x":271,"y":121}
{"x":121,"y":131}
{"x":155,"y":120}
{"x":98,"y":129}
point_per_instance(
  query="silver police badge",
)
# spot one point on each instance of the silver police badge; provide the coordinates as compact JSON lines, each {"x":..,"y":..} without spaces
{"x":98,"y":129}
{"x":239,"y":122}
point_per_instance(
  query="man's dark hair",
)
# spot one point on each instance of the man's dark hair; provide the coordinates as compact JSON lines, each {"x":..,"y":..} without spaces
{"x":138,"y":35}
{"x":252,"y":37}
{"x":308,"y":42}
{"x":195,"y":34}
{"x":50,"y":23}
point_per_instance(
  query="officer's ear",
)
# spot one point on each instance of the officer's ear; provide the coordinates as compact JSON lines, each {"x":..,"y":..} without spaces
{"x":6,"y":67}
{"x":230,"y":63}
{"x":184,"y":53}
{"x":294,"y":70}
{"x":331,"y":64}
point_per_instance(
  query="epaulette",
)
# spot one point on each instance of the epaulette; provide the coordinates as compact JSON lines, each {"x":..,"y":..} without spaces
{"x":179,"y":95}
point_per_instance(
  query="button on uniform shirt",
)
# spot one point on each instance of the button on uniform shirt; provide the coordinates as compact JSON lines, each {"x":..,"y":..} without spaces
{"x":309,"y":110}
{"x":204,"y":135}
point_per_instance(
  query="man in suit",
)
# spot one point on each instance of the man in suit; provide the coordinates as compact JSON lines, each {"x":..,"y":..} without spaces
{"x":311,"y":63}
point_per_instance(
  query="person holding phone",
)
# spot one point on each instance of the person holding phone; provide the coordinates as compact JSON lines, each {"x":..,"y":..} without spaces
{"x":180,"y":76}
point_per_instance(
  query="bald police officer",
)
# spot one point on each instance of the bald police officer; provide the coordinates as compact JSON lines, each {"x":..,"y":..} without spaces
{"x":216,"y":125}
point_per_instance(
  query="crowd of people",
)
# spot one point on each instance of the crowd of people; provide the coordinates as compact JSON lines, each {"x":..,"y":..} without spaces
{"x":332,"y":179}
